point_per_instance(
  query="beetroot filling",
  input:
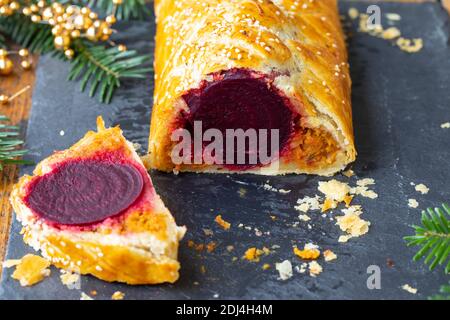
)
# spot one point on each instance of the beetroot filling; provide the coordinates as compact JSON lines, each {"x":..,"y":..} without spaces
{"x":240,"y":99}
{"x":84,"y":192}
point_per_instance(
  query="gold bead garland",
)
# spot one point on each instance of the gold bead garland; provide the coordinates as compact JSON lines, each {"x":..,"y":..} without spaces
{"x":69,"y":22}
{"x":7,"y":65}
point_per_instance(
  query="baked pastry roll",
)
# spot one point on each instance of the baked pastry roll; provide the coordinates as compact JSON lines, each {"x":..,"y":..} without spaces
{"x":92,"y":209}
{"x":252,"y":64}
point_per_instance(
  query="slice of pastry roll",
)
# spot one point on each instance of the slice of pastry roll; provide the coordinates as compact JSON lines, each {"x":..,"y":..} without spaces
{"x":92,"y":209}
{"x":275,"y":69}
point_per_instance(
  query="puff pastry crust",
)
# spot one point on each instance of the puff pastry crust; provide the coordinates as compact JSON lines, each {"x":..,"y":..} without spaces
{"x":298,"y":44}
{"x":139,"y":246}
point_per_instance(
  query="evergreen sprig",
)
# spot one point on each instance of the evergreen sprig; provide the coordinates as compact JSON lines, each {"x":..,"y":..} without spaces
{"x":101,"y":67}
{"x":10,"y":150}
{"x":433,"y":236}
{"x":444,"y":293}
{"x":2,"y":41}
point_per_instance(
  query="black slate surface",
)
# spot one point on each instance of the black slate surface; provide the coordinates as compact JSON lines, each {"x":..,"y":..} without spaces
{"x":399,"y":102}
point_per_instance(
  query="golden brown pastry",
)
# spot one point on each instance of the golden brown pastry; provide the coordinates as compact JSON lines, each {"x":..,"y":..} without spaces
{"x":92,"y":209}
{"x":253,"y":64}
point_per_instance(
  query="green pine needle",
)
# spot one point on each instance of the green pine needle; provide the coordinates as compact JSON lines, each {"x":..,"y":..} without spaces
{"x":2,"y":41}
{"x":10,"y":149}
{"x":444,"y":293}
{"x":433,"y":236}
{"x":97,"y":67}
{"x":103,"y":68}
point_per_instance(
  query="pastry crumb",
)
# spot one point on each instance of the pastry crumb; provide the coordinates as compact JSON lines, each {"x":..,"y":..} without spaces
{"x":284,"y":269}
{"x":309,"y":252}
{"x":224,"y":224}
{"x":266,"y":266}
{"x":11,"y":263}
{"x":391,"y":33}
{"x":118,"y":295}
{"x":351,"y":223}
{"x":315,"y":269}
{"x":210,"y":247}
{"x":308,"y":203}
{"x":353,"y":13}
{"x":84,"y":296}
{"x":334,"y":190}
{"x":393,"y":16}
{"x":344,"y":238}
{"x":268,"y":187}
{"x":329,"y":255}
{"x":445,"y":125}
{"x":412,"y":203}
{"x":304,"y":217}
{"x":348,"y":173}
{"x":410,"y":45}
{"x":409,"y":289}
{"x":68,"y":278}
{"x":423,"y":189}
{"x":31,"y":269}
{"x":253,"y":254}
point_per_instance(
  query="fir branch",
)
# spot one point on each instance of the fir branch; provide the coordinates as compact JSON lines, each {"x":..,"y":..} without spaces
{"x":2,"y":41}
{"x":444,"y":293}
{"x":9,"y":145}
{"x":433,"y":237}
{"x":102,"y":68}
{"x":34,"y":36}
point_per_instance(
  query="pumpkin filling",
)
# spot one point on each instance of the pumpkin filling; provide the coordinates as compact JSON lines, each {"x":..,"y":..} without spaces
{"x":83,"y":192}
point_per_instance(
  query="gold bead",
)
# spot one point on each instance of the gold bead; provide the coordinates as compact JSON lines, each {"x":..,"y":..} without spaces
{"x":24,"y":53}
{"x":117,"y":1}
{"x":111,"y":19}
{"x":69,"y":26}
{"x":91,"y":33}
{"x":47,"y":13}
{"x":34,"y":8}
{"x":4,"y":99}
{"x":3,"y":53}
{"x":105,"y":33}
{"x":69,"y":53}
{"x":72,"y":9}
{"x":51,"y":21}
{"x":35,"y":18}
{"x":60,"y":19}
{"x":122,"y":47}
{"x":6,"y":66}
{"x":56,"y":30}
{"x":27,"y":11}
{"x":82,"y":22}
{"x":85,"y":10}
{"x":41,"y":4}
{"x":14,"y":5}
{"x":61,"y":42}
{"x":75,"y":34}
{"x":6,"y":11}
{"x":93,"y":15}
{"x":26,"y":64}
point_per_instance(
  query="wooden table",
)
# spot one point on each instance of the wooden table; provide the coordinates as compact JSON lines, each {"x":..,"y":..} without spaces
{"x":18,"y":111}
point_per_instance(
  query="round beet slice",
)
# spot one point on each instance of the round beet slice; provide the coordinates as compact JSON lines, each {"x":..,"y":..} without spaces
{"x":85,"y":192}
{"x":240,"y":99}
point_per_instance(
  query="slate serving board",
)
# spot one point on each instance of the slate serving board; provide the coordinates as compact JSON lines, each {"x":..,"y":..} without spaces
{"x":399,"y":102}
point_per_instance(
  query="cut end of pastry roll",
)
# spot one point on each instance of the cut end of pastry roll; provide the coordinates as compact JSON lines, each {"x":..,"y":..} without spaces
{"x":92,"y":209}
{"x":282,"y":75}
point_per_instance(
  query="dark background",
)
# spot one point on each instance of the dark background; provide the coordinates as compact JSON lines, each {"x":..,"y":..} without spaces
{"x":399,"y":103}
